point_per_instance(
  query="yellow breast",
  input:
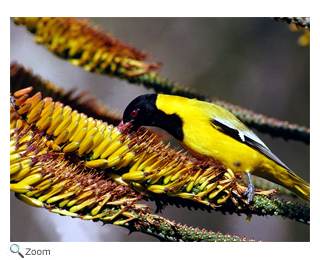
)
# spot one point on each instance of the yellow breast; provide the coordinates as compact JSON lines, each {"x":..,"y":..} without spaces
{"x":201,"y":139}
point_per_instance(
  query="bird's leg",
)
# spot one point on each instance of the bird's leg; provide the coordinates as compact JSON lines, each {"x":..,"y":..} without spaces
{"x":250,"y":190}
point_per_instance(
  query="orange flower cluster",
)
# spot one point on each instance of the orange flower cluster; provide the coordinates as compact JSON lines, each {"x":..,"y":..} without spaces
{"x":86,"y":46}
{"x":74,"y":164}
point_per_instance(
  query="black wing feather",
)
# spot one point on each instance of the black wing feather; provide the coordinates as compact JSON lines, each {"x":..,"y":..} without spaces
{"x":260,"y":147}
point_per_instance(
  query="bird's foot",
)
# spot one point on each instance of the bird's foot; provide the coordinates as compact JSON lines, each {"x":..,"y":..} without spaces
{"x":250,"y":189}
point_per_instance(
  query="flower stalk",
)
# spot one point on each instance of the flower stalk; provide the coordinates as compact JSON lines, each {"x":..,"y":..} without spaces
{"x":82,"y":167}
{"x":48,"y":174}
{"x":86,"y":46}
{"x":135,"y":157}
{"x":21,"y":78}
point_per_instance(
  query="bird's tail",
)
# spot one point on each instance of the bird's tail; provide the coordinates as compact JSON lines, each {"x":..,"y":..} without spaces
{"x":298,"y":186}
{"x":289,"y":180}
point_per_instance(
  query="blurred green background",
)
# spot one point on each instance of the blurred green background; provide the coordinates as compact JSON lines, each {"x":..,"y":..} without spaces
{"x":252,"y":62}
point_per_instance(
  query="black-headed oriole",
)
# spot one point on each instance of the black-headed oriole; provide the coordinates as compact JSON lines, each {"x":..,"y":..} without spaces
{"x":206,"y":130}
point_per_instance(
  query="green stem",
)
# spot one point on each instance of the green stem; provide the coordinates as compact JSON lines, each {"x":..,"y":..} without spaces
{"x":165,"y":230}
{"x":287,"y":209}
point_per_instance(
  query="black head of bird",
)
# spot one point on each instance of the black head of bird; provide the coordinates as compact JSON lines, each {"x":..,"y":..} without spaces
{"x":143,"y":111}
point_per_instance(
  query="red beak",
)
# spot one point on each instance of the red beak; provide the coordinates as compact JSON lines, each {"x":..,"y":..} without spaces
{"x":122,"y":125}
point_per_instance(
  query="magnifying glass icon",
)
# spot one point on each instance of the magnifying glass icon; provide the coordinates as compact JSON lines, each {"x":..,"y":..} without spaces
{"x":14,"y":248}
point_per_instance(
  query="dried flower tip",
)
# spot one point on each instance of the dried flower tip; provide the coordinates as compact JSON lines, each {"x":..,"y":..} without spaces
{"x":22,"y":92}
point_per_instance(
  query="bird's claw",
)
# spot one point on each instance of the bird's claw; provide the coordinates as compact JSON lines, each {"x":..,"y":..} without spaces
{"x":250,"y":189}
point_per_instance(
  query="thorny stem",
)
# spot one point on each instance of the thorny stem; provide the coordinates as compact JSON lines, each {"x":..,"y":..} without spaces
{"x":302,"y":22}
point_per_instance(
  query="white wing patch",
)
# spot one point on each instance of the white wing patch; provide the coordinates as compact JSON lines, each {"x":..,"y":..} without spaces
{"x":240,"y":128}
{"x":237,"y":130}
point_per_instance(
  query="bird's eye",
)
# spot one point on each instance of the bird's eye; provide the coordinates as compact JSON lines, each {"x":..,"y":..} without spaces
{"x":134,"y":113}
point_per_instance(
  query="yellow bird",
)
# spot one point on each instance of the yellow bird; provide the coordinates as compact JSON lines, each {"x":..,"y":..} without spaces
{"x":206,"y":130}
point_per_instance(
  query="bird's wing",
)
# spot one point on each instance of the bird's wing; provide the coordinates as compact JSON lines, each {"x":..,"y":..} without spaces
{"x":227,"y":123}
